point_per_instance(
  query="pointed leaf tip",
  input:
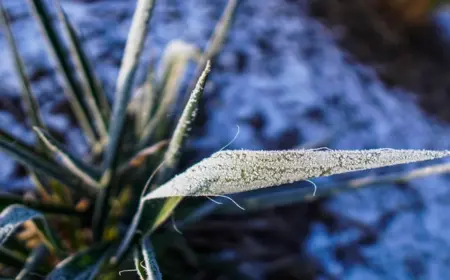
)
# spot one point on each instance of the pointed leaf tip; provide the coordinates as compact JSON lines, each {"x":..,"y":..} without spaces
{"x":228,"y":172}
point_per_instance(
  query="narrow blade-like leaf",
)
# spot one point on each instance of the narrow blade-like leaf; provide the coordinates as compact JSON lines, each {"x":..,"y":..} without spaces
{"x":30,"y":104}
{"x":175,"y":60}
{"x":237,"y":171}
{"x":185,"y":121}
{"x":15,"y":215}
{"x":10,"y":258}
{"x":7,"y":199}
{"x":33,"y":263}
{"x":84,"y":265}
{"x":217,"y":39}
{"x":72,"y":163}
{"x":139,"y":263}
{"x":151,"y":265}
{"x":95,"y":97}
{"x":57,"y":50}
{"x":133,"y":50}
{"x":27,"y":156}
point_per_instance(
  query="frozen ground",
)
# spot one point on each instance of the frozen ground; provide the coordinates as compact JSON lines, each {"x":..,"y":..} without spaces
{"x":284,"y":81}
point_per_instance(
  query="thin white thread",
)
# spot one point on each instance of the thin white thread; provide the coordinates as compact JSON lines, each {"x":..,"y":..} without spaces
{"x":174,"y":225}
{"x":144,"y":190}
{"x":213,"y":200}
{"x":142,"y":264}
{"x":315,"y":186}
{"x":229,"y":198}
{"x":126,"y":270}
{"x":234,"y":139}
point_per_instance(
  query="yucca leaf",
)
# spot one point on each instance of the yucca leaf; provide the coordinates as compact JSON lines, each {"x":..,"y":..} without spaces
{"x":10,"y":258}
{"x":73,"y":89}
{"x":27,"y":156}
{"x":84,"y":265}
{"x":162,"y":209}
{"x":149,"y":216}
{"x":95,"y":97}
{"x":33,"y":263}
{"x":287,"y":196}
{"x":72,"y":163}
{"x":140,"y":157}
{"x":229,"y":172}
{"x":185,"y":121}
{"x":217,"y":40}
{"x":30,"y":104}
{"x":218,"y":37}
{"x":147,"y":102}
{"x":133,"y":49}
{"x":174,"y":64}
{"x":139,"y":263}
{"x":15,"y":215}
{"x":7,"y":199}
{"x":151,"y":265}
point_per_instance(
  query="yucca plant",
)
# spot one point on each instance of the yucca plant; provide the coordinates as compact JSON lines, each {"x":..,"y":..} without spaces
{"x":91,"y":216}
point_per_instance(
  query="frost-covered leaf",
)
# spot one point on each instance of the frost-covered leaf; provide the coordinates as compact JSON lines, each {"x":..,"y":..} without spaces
{"x":237,"y":171}
{"x":186,"y":120}
{"x":15,"y":215}
{"x":84,"y":265}
{"x":152,"y":268}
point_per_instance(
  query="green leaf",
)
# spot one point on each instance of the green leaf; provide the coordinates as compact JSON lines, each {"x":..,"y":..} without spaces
{"x":84,"y":265}
{"x":175,"y":60}
{"x":31,"y":106}
{"x":139,"y":263}
{"x":36,"y":161}
{"x":7,"y":199}
{"x":33,"y":263}
{"x":15,"y":215}
{"x":133,"y":50}
{"x":72,"y":163}
{"x":185,"y":121}
{"x":152,"y":268}
{"x":10,"y":258}
{"x":149,"y":216}
{"x":72,"y":87}
{"x":96,"y":99}
{"x":229,"y":172}
{"x":217,"y":40}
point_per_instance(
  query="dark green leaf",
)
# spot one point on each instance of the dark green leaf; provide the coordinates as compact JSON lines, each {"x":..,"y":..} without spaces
{"x":84,"y":265}
{"x":96,"y":99}
{"x":7,"y":199}
{"x":31,"y":106}
{"x":10,"y":258}
{"x":57,"y":49}
{"x":33,"y":263}
{"x":133,"y":49}
{"x":38,"y":162}
{"x":151,"y":265}
{"x":75,"y":165}
{"x":139,"y":263}
{"x":15,"y":215}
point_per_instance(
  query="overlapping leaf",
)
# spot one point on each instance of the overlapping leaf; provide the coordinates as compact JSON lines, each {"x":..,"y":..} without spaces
{"x":84,"y":265}
{"x":228,"y":172}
